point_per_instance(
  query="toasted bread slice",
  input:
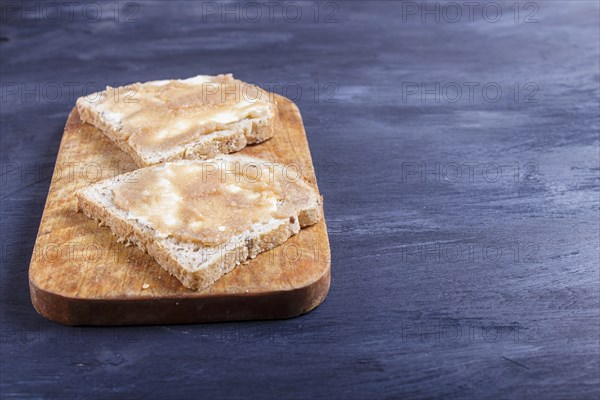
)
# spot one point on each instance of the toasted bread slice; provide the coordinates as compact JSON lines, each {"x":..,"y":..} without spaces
{"x":199,"y":117}
{"x":199,"y":219}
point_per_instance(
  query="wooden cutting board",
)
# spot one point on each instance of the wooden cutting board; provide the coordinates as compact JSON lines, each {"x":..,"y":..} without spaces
{"x":80,"y":275}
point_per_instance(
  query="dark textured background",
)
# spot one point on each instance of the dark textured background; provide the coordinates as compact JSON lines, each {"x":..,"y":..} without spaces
{"x":483,"y":285}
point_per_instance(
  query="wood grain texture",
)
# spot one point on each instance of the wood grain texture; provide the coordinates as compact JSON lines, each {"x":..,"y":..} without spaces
{"x":80,"y":275}
{"x":405,"y":317}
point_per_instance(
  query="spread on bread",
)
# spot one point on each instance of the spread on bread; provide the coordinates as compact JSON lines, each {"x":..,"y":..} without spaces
{"x":158,"y":115}
{"x":208,"y":202}
{"x":198,"y":212}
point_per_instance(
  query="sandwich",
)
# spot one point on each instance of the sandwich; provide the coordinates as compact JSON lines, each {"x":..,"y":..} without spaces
{"x":196,"y":118}
{"x":199,"y":219}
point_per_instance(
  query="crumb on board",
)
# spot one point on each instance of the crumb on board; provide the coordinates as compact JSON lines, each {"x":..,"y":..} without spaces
{"x":145,"y":286}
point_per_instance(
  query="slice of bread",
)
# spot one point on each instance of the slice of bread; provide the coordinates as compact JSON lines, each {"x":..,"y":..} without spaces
{"x":195,"y":118}
{"x":199,"y":219}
